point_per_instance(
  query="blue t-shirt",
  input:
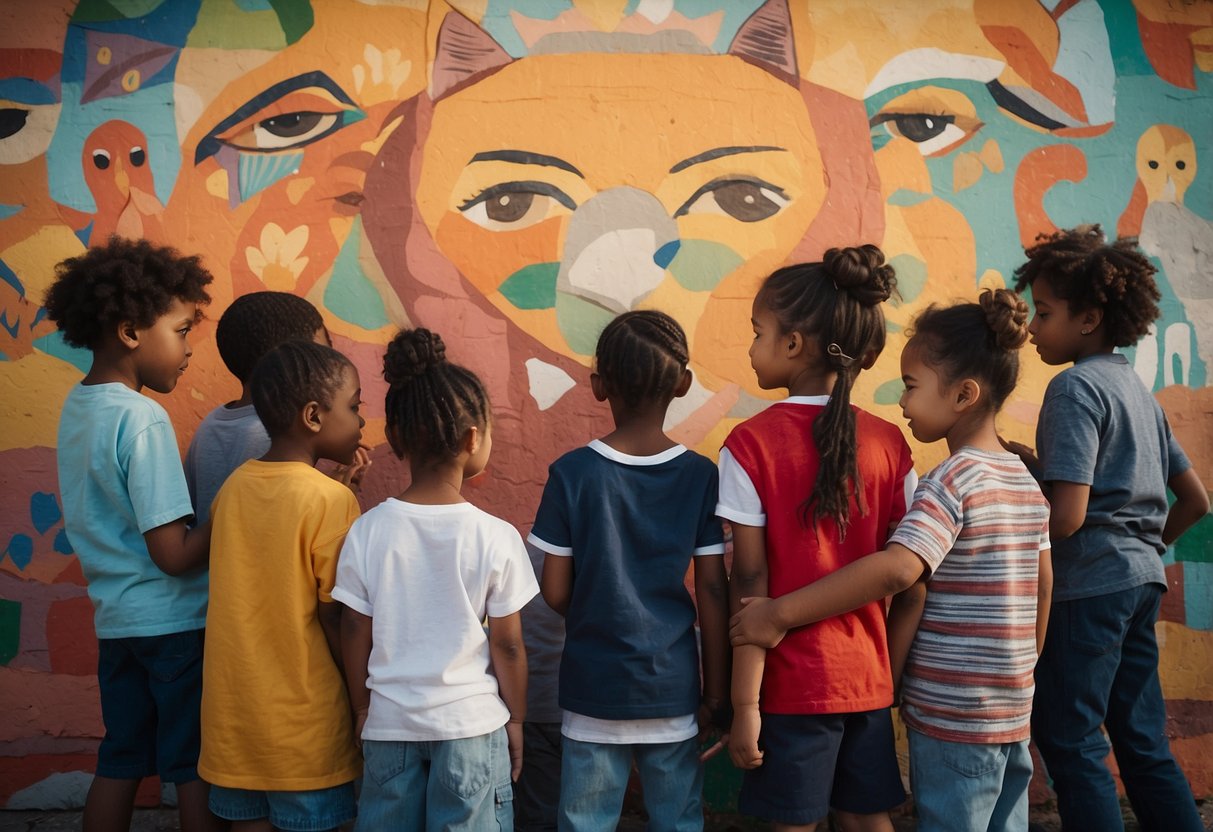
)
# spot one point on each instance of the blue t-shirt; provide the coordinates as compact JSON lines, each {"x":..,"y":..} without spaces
{"x":631,"y":525}
{"x":1099,"y":426}
{"x":120,"y":476}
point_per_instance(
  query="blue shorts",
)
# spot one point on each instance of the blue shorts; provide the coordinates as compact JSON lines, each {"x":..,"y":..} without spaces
{"x":317,"y":810}
{"x":816,"y":762}
{"x":151,"y":704}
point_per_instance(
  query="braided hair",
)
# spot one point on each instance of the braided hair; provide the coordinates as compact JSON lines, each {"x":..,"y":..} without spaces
{"x":431,"y":403}
{"x":1088,"y":272}
{"x":641,"y":357}
{"x":257,"y":322}
{"x":291,"y":375}
{"x":835,"y":304}
{"x":975,"y":340}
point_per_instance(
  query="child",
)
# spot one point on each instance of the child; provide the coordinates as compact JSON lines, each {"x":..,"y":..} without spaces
{"x":978,"y":529}
{"x":277,"y":744}
{"x":620,"y":521}
{"x":809,"y":485}
{"x":1107,"y":457}
{"x":126,"y":505}
{"x":231,"y":434}
{"x":439,"y":705}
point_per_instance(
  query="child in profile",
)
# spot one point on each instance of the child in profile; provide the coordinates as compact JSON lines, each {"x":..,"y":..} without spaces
{"x":126,"y":506}
{"x":277,"y":742}
{"x":620,"y":521}
{"x":439,"y":704}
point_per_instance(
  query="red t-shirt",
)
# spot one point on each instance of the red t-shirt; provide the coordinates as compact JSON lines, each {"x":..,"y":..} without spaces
{"x":840,"y":665}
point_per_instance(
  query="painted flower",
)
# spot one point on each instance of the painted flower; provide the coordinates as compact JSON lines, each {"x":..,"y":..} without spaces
{"x":381,"y":75}
{"x":277,"y":263}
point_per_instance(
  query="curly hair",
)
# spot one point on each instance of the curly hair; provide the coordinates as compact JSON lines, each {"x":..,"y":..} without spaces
{"x":1088,"y":272}
{"x":122,"y":280}
{"x":431,"y":403}
{"x":835,"y":304}
{"x":257,"y":322}
{"x":291,"y":375}
{"x":975,"y":340}
{"x":641,"y":356}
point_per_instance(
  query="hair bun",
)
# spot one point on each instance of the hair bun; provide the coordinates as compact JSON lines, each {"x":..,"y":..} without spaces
{"x":411,"y":353}
{"x":1006,"y":316}
{"x":861,"y":272}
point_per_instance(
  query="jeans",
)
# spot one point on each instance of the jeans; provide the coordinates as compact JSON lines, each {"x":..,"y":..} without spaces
{"x":595,"y":776}
{"x":537,"y":792}
{"x":315,"y":810}
{"x":969,"y":787}
{"x":1100,"y":665}
{"x":452,"y":785}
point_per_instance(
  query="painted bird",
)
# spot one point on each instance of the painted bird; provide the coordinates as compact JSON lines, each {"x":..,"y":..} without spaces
{"x":117,"y":173}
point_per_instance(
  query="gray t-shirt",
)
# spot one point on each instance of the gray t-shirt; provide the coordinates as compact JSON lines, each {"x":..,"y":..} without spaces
{"x":227,"y":438}
{"x":543,"y":635}
{"x":1100,"y":426}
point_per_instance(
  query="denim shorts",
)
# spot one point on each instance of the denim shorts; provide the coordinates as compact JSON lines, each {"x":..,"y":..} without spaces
{"x":816,"y":762}
{"x":317,"y":810}
{"x":959,"y":785}
{"x":151,"y":704}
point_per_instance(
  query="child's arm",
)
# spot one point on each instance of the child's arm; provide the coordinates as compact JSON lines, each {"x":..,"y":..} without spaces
{"x":1067,"y":507}
{"x":556,"y":585}
{"x":879,"y":575}
{"x":356,"y":643}
{"x":508,"y":656}
{"x":177,"y":549}
{"x":749,"y":579}
{"x":329,"y":615}
{"x":1044,"y":597}
{"x":1191,"y":504}
{"x":905,"y":611}
{"x":712,"y":597}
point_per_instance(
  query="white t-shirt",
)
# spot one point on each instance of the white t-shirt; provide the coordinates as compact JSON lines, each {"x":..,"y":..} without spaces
{"x":427,"y":576}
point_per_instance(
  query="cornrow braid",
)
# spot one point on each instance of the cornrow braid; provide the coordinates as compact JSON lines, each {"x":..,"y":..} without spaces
{"x":1088,"y":272}
{"x":641,"y":356}
{"x":257,"y":322}
{"x":431,"y":403}
{"x":291,"y":375}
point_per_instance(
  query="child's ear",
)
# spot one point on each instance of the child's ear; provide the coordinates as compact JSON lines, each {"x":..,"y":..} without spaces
{"x":794,"y":344}
{"x":684,"y":384}
{"x":128,"y":334}
{"x":968,"y":393}
{"x":471,"y":440}
{"x":312,"y":416}
{"x":1091,"y":319}
{"x":598,"y":387}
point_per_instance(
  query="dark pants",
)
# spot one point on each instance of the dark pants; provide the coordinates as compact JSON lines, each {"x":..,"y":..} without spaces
{"x":1100,"y":666}
{"x":537,"y":792}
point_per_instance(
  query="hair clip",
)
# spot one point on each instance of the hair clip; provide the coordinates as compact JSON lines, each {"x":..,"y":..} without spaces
{"x":836,"y":351}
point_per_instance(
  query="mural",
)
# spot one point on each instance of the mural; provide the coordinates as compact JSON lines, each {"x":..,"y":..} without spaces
{"x":513,"y":174}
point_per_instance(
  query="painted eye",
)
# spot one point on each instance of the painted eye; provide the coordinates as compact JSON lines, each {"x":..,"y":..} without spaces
{"x":138,"y":156}
{"x":1181,"y":164}
{"x":12,"y":121}
{"x":1153,"y":164}
{"x":747,"y":200}
{"x":933,"y":133}
{"x":286,"y":131}
{"x":101,"y":158}
{"x":511,"y":206}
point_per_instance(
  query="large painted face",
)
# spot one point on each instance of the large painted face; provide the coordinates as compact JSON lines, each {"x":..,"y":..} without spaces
{"x":566,"y":208}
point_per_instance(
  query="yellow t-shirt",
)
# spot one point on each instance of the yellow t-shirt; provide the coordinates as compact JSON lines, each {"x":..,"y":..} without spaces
{"x":275,"y":714}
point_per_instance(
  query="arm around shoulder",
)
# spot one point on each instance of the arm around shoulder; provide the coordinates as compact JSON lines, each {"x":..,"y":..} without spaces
{"x":176,"y":549}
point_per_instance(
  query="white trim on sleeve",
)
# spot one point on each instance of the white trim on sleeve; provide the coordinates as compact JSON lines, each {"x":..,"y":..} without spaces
{"x":738,"y":500}
{"x":550,"y":548}
{"x":713,"y":549}
{"x":352,"y":601}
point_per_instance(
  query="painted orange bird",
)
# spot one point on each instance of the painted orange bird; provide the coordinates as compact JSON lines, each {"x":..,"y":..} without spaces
{"x":117,"y":173}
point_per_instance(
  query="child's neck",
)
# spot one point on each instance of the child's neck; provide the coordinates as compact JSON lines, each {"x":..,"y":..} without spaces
{"x":246,"y":398}
{"x":436,"y":483}
{"x":291,"y":447}
{"x":112,"y":366}
{"x":978,"y":432}
{"x":639,"y":431}
{"x":812,"y":381}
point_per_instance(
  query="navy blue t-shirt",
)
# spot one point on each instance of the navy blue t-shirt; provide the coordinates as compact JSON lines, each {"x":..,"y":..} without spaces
{"x":631,"y":525}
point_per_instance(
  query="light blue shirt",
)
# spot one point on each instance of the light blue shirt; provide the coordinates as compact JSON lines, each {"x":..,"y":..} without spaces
{"x":120,"y":476}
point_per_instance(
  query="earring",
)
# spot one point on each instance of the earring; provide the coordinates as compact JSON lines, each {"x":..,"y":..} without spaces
{"x":1086,"y":332}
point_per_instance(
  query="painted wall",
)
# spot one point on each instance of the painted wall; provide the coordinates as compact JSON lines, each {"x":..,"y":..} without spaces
{"x":512,"y":174}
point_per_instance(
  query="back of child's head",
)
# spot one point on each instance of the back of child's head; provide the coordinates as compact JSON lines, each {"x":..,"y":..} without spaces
{"x":641,"y":357}
{"x":121,"y":281}
{"x":431,"y":403}
{"x":257,"y":322}
{"x":975,"y":340}
{"x":835,"y":306}
{"x":1088,"y":272}
{"x":291,"y":375}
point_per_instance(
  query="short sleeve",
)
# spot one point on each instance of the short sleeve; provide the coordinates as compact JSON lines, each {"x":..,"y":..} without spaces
{"x":514,"y":583}
{"x":932,"y":524}
{"x":552,"y":532}
{"x":1067,"y":440}
{"x":155,"y":479}
{"x":709,"y":539}
{"x":738,"y":500}
{"x":340,"y":516}
{"x":351,"y":585}
{"x":1044,"y":536}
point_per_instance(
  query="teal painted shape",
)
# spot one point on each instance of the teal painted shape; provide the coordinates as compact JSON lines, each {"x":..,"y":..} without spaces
{"x":700,"y":265}
{"x":54,"y":345}
{"x":7,"y":211}
{"x":260,"y":170}
{"x":296,"y":17}
{"x":532,"y":287}
{"x":905,"y":198}
{"x":911,"y":278}
{"x":1196,"y":545}
{"x":352,"y":117}
{"x":666,"y":254}
{"x":1198,"y":592}
{"x":10,"y":630}
{"x":580,"y":322}
{"x":254,"y":5}
{"x":20,"y":550}
{"x":44,"y":510}
{"x":62,"y":545}
{"x":889,"y":392}
{"x":350,"y":295}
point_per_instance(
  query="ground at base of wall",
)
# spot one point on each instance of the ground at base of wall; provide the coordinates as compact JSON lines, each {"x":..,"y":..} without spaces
{"x":165,"y":820}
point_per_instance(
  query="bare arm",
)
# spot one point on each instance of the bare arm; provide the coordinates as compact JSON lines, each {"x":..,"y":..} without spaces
{"x":712,"y":597}
{"x":749,"y":579}
{"x":329,"y":615}
{"x":1044,"y":597}
{"x":508,"y":656}
{"x":1191,"y":504}
{"x":556,"y":584}
{"x":356,"y":643}
{"x":177,"y":549}
{"x":905,"y":611}
{"x":1067,"y":508}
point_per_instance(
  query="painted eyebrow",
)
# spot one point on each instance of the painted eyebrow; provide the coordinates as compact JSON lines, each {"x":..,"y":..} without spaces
{"x":525,"y":157}
{"x":718,"y":152}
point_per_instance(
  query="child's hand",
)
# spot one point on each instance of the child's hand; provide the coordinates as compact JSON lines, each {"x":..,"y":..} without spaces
{"x":513,"y":732}
{"x":359,"y":724}
{"x":1028,"y":455}
{"x":352,"y":474}
{"x":743,"y":738}
{"x":755,"y":624}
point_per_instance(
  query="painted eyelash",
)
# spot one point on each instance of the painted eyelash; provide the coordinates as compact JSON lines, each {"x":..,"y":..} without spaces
{"x":729,"y":180}
{"x":532,"y":187}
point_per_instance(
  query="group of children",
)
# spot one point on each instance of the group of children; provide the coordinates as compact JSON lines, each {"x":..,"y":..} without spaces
{"x":388,"y":648}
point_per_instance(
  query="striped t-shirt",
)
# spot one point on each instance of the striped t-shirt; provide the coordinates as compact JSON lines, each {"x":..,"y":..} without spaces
{"x":979,"y":522}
